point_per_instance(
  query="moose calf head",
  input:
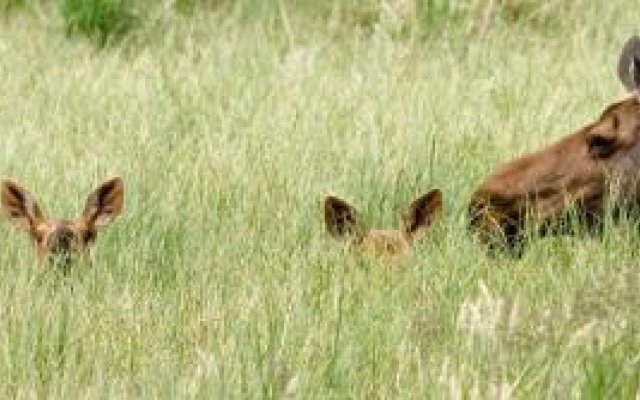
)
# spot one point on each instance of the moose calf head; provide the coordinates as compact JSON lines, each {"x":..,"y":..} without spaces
{"x":62,"y":241}
{"x":597,"y":165}
{"x":342,"y":220}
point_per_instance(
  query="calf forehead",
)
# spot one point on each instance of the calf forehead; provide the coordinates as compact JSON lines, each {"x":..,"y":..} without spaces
{"x":386,"y":240}
{"x":55,"y":224}
{"x":385,"y":234}
{"x":387,"y":245}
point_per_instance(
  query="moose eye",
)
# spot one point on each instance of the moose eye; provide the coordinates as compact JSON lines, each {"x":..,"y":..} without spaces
{"x":38,"y":236}
{"x":601,"y":147}
{"x":615,"y":121}
{"x":88,"y":237}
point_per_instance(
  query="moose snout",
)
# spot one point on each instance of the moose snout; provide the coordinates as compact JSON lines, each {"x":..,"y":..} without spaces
{"x":61,"y":241}
{"x":61,"y":246}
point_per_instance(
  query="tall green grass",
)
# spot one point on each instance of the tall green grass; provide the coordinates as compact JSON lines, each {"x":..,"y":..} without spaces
{"x":102,"y":20}
{"x":110,"y":21}
{"x":219,"y":279}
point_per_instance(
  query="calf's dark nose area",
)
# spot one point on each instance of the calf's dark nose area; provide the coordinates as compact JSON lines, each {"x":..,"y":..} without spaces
{"x":61,"y":241}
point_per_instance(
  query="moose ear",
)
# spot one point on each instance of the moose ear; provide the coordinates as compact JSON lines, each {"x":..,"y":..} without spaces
{"x":20,"y":206}
{"x":104,"y":204}
{"x":340,"y":218}
{"x":629,"y":64}
{"x":422,"y":212}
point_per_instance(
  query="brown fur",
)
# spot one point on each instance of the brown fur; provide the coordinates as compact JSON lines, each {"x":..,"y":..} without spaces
{"x":343,"y":220}
{"x":600,"y":163}
{"x":62,"y":240}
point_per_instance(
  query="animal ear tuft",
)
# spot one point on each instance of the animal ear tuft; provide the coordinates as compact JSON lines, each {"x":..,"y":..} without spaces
{"x":20,"y":206}
{"x":422,"y":212}
{"x":104,"y":204}
{"x":629,"y":64}
{"x":340,"y":218}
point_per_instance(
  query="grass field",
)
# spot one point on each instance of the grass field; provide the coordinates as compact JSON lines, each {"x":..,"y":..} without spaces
{"x":219,"y":280}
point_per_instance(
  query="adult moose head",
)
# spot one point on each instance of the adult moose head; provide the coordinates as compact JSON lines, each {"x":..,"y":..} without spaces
{"x":62,"y":241}
{"x":343,"y":221}
{"x":584,"y":171}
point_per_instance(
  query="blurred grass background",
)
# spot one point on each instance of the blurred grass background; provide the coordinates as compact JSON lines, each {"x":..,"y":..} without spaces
{"x":229,"y":122}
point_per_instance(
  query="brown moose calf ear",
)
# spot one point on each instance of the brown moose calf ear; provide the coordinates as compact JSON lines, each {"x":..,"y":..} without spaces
{"x":104,"y":204}
{"x":340,"y":218}
{"x":20,"y":206}
{"x":422,"y":212}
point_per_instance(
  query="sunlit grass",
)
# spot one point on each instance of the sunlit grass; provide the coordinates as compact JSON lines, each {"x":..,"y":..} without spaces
{"x":219,"y":280}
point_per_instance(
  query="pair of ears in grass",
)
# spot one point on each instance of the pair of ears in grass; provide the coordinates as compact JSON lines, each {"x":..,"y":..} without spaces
{"x":102,"y":206}
{"x":342,"y":219}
